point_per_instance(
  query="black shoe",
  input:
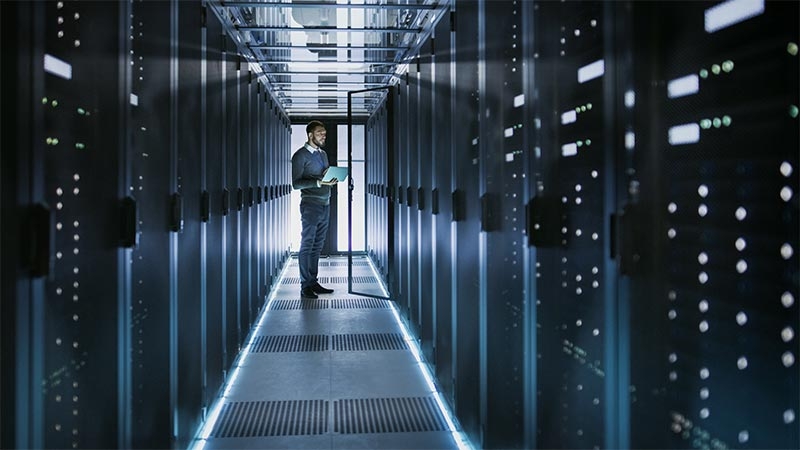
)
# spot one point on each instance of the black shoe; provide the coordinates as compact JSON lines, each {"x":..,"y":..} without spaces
{"x":308,"y":293}
{"x":321,"y":290}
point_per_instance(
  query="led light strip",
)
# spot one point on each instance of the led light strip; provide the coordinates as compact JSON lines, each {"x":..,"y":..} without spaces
{"x":201,"y":438}
{"x":460,"y":439}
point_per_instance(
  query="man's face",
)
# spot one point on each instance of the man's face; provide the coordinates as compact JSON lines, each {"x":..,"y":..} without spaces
{"x":318,"y":136}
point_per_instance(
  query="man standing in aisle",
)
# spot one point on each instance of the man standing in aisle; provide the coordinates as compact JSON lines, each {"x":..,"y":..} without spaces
{"x":309,"y":163}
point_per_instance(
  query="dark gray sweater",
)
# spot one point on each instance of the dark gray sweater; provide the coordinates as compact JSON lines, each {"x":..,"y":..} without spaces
{"x":307,"y":169}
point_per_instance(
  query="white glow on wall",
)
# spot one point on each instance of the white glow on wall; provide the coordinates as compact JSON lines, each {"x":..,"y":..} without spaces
{"x":591,"y":71}
{"x":684,"y":134}
{"x":570,"y":149}
{"x":683,"y":86}
{"x":731,"y":12}
{"x":359,"y":191}
{"x":569,"y":117}
{"x":57,"y":67}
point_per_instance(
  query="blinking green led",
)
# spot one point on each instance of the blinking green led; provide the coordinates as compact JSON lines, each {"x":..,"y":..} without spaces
{"x":705,"y":124}
{"x":715,"y":69}
{"x":588,"y":142}
{"x":727,"y":66}
{"x":580,"y":143}
{"x":577,"y":109}
{"x":792,"y":48}
{"x":49,"y":141}
{"x":44,"y":100}
{"x":79,"y":146}
{"x":703,"y":73}
{"x":54,"y":103}
{"x":588,"y":106}
{"x":793,"y":111}
{"x":81,"y":111}
{"x":717,"y":122}
{"x":55,"y":141}
{"x":726,"y":120}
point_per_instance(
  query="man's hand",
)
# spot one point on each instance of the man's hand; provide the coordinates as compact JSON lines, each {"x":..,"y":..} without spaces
{"x":332,"y":182}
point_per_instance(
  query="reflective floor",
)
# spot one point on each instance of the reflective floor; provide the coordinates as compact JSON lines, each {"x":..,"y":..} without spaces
{"x":331,"y":373}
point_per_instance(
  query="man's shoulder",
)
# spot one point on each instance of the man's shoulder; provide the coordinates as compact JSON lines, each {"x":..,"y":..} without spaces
{"x":301,"y":152}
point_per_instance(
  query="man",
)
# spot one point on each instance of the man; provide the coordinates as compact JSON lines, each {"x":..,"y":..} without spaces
{"x":309,"y":164}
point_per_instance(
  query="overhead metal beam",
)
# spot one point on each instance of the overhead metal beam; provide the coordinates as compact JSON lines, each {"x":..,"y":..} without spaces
{"x":370,"y":74}
{"x":361,"y":61}
{"x":326,"y":5}
{"x":327,"y":83}
{"x":326,"y":47}
{"x":329,"y":28}
{"x":315,"y":97}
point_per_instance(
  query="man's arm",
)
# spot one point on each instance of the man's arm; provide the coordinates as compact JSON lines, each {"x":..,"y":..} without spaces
{"x":299,"y":161}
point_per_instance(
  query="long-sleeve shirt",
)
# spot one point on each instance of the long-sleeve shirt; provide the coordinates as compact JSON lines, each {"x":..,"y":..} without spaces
{"x":307,"y":169}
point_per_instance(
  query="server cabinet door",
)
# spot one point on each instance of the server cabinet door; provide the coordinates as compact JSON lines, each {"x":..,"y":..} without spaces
{"x":441,"y":200}
{"x":427,"y":301}
{"x":231,"y":259}
{"x":246,"y":89}
{"x":215,"y":183}
{"x":714,"y":293}
{"x":465,"y":117}
{"x":577,"y":279}
{"x":79,"y":321}
{"x":503,"y":169}
{"x":187,"y":324}
{"x":400,"y":290}
{"x":150,"y":159}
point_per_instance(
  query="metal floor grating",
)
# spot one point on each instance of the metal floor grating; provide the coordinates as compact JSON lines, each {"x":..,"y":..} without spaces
{"x":373,"y":341}
{"x":272,"y":418}
{"x":387,"y":415}
{"x":291,"y":280}
{"x":358,"y":303}
{"x":303,"y":304}
{"x":298,"y":343}
{"x":332,"y":303}
{"x":356,"y":280}
{"x":332,"y":280}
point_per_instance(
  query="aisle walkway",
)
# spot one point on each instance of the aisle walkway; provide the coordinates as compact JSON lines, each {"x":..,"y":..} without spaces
{"x":334,"y":373}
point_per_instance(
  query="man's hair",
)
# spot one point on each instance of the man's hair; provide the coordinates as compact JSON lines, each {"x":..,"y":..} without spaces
{"x":313,"y":125}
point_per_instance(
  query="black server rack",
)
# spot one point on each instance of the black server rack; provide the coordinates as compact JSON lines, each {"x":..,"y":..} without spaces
{"x":234,"y":201}
{"x":412,"y":230}
{"x":576,"y":290}
{"x":212,"y":212}
{"x":150,"y":161}
{"x":124,"y":165}
{"x":502,"y":207}
{"x":465,"y":197}
{"x":425,"y":291}
{"x":185,"y":143}
{"x":716,"y":226}
{"x":440,"y":201}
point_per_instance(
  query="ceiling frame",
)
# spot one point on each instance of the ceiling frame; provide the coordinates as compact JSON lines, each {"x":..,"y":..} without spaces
{"x":265,"y":35}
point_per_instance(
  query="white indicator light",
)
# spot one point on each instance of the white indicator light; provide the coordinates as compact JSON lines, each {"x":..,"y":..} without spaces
{"x":731,"y":12}
{"x":680,"y":87}
{"x":591,"y":71}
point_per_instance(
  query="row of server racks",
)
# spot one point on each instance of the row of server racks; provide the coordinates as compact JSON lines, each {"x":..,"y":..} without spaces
{"x":145,"y":182}
{"x":587,"y":213}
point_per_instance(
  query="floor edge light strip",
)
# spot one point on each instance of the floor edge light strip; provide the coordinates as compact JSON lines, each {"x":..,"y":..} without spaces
{"x":201,"y":437}
{"x":460,"y":439}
